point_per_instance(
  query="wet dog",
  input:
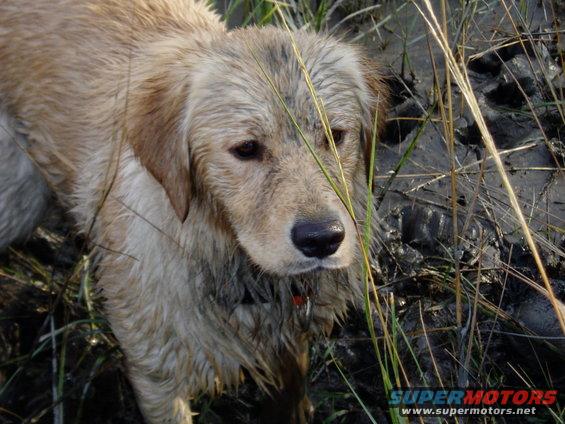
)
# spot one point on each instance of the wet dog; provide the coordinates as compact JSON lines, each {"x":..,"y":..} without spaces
{"x":178,"y":147}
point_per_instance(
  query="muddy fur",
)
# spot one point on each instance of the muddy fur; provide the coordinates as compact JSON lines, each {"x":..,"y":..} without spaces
{"x":24,"y":195}
{"x":132,"y":111}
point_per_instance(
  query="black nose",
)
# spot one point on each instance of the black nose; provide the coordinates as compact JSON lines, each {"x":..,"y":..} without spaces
{"x":318,"y":239}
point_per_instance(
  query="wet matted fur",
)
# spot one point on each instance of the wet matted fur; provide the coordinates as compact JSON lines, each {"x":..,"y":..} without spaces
{"x":135,"y":113}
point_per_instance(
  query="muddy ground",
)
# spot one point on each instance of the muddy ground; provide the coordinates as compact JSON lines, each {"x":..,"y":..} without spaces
{"x":515,"y":336}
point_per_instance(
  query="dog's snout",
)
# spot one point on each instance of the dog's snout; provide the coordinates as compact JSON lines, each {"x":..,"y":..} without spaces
{"x":318,"y":239}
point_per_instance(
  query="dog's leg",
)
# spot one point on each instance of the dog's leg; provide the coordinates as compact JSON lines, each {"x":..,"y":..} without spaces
{"x":23,"y":191}
{"x":161,"y":401}
{"x":291,"y":404}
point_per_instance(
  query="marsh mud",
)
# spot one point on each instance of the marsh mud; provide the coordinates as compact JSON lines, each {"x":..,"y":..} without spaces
{"x":508,"y":333}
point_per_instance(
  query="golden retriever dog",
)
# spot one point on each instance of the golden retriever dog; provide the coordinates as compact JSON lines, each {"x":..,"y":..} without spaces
{"x":177,"y":147}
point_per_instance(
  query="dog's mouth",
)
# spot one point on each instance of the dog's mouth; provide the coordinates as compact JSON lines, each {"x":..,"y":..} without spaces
{"x":314,"y":266}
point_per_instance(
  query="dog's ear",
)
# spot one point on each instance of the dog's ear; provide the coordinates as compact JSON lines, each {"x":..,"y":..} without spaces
{"x":154,"y":131}
{"x":376,"y":106}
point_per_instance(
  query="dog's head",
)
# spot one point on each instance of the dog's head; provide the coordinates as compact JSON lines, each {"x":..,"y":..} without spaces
{"x":229,"y":128}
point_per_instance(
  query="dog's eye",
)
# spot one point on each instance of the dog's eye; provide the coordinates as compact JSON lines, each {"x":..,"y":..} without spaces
{"x":338,"y":136}
{"x":247,"y":150}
